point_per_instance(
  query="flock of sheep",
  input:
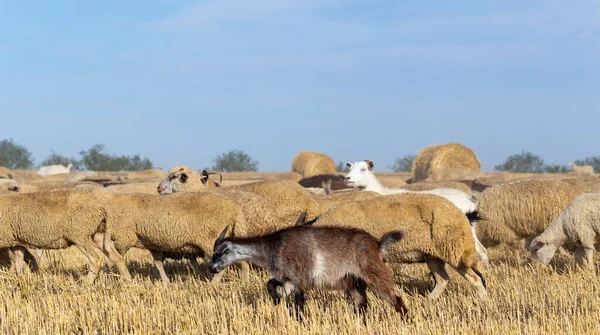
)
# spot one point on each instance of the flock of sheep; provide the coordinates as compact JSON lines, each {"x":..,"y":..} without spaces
{"x":306,"y":236}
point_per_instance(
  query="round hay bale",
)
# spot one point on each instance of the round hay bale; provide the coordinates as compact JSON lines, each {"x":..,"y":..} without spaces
{"x":5,"y":173}
{"x":444,"y":156}
{"x":309,"y":163}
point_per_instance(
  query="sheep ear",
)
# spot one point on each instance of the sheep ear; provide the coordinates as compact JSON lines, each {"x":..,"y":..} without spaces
{"x":348,"y":164}
{"x":370,"y":163}
{"x":183,"y":178}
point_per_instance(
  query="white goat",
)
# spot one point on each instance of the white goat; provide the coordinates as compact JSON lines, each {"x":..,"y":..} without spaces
{"x":54,"y":169}
{"x":361,"y":176}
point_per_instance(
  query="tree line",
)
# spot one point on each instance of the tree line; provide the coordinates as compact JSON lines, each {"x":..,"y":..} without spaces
{"x":16,"y":156}
{"x":524,"y":162}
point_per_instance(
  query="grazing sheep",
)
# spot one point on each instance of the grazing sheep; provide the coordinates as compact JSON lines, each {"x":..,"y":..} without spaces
{"x":302,"y":257}
{"x":309,"y":163}
{"x":185,"y":223}
{"x":361,"y":176}
{"x":578,"y":226}
{"x":435,"y":231}
{"x":50,"y":170}
{"x":181,"y":178}
{"x":521,"y":210}
{"x":583,"y":169}
{"x":56,"y":220}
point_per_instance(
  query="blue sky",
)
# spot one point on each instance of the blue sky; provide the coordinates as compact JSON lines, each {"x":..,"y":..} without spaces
{"x":182,"y":81}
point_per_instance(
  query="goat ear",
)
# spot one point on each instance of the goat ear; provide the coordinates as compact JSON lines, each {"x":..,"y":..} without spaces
{"x":183,"y":177}
{"x":204,"y":177}
{"x":370,"y":164}
{"x":348,"y":164}
{"x":300,"y":220}
{"x":223,"y":233}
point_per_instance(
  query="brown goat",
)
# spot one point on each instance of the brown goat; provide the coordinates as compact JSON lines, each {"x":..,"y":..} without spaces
{"x":302,"y":257}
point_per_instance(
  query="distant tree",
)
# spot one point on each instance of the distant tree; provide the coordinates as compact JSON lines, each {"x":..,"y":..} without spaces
{"x":14,"y":155}
{"x":555,"y":168}
{"x":234,"y":160}
{"x":342,"y":167}
{"x":56,"y":159}
{"x":525,"y":162}
{"x":593,"y":161}
{"x":403,"y":164}
{"x":96,"y":159}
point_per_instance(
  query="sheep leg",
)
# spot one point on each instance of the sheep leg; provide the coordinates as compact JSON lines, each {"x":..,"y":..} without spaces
{"x":585,"y":257}
{"x":115,"y":257}
{"x":19,"y":259}
{"x":89,"y":250}
{"x":479,"y":248}
{"x":158,"y":262}
{"x":441,"y":277}
{"x":474,"y":279}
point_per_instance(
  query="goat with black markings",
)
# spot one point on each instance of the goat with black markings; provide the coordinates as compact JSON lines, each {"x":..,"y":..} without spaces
{"x":302,"y":257}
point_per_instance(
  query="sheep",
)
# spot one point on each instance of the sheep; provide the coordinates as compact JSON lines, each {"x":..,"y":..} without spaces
{"x":521,"y":210}
{"x":329,"y":200}
{"x":302,"y":257}
{"x":309,"y":163}
{"x":183,"y":223}
{"x":56,"y":220}
{"x":435,"y":232}
{"x":182,"y":178}
{"x":50,"y":170}
{"x":428,"y":186}
{"x":146,"y":174}
{"x":582,"y":169}
{"x":287,"y":197}
{"x":578,"y":226}
{"x":361,"y":176}
{"x":5,"y":173}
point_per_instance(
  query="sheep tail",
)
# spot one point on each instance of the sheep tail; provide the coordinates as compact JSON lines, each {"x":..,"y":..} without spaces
{"x":389,"y":238}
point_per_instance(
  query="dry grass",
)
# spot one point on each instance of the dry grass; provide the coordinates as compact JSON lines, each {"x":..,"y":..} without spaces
{"x":522,"y":299}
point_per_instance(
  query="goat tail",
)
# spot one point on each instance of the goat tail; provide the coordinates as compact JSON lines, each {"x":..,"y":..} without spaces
{"x":389,"y":238}
{"x":474,"y":216}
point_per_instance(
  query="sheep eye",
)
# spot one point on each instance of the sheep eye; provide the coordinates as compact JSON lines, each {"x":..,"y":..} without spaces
{"x":363,"y":170}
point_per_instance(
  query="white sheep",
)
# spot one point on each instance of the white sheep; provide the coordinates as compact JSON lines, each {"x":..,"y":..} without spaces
{"x":578,"y":226}
{"x":582,"y":169}
{"x":361,"y":176}
{"x":50,"y":170}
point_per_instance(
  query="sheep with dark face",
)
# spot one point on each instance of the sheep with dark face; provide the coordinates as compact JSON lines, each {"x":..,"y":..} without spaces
{"x":302,"y":257}
{"x":181,"y":178}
